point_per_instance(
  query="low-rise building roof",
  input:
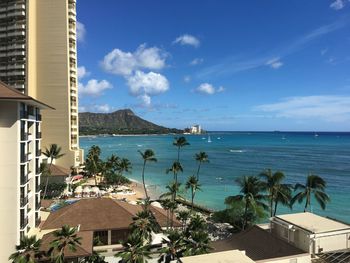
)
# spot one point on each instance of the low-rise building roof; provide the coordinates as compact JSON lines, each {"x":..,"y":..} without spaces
{"x":82,"y":250}
{"x":258,"y":244}
{"x":8,"y":93}
{"x":99,"y":214}
{"x":232,"y":256}
{"x":313,"y":223}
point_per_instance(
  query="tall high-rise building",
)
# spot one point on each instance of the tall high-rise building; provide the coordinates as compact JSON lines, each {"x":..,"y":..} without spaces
{"x":38,"y":56}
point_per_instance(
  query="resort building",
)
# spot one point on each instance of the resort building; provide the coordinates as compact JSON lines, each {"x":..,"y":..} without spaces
{"x":231,"y":256}
{"x":38,"y":56}
{"x":196,"y":129}
{"x":20,"y":141}
{"x":312,"y":233}
{"x":102,"y":218}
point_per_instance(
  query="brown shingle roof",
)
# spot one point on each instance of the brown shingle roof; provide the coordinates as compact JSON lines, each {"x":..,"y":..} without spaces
{"x":83,"y":250}
{"x":57,"y":170}
{"x":97,"y":214}
{"x":9,"y":93}
{"x":258,"y":244}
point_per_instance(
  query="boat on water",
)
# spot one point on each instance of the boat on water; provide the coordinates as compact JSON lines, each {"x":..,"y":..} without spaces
{"x":316,"y":135}
{"x":209,"y":139}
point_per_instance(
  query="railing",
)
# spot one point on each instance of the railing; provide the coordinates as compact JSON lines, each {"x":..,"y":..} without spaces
{"x":38,"y":117}
{"x":38,"y":153}
{"x":24,"y":201}
{"x":38,"y":135}
{"x":37,"y":205}
{"x":24,"y":222}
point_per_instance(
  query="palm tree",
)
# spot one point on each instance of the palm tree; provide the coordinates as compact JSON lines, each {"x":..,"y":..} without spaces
{"x":250,"y":189}
{"x":174,"y":246}
{"x":93,"y":162}
{"x":28,"y":251}
{"x":124,"y":165}
{"x":180,"y":142}
{"x":144,"y":224}
{"x":166,"y":205}
{"x":201,"y":157}
{"x":134,"y":251}
{"x":183,"y":216}
{"x":277,"y":192}
{"x":172,"y":188}
{"x":192,"y":183}
{"x":65,"y":238}
{"x":147,"y":156}
{"x":175,"y":169}
{"x":315,"y":186}
{"x":54,"y":153}
{"x":198,"y":243}
{"x":113,"y":163}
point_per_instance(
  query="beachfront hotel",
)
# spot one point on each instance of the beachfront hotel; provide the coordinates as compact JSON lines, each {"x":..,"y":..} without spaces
{"x":20,"y":158}
{"x":38,"y":57}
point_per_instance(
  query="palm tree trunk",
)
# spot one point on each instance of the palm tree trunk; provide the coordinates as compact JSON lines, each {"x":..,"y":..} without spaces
{"x":143,"y":178}
{"x":271,"y":205}
{"x":245,"y":215}
{"x":307,"y":202}
{"x":192,"y":198}
{"x":275,"y":210}
{"x":47,"y":179}
{"x":199,"y":167}
{"x":178,"y":153}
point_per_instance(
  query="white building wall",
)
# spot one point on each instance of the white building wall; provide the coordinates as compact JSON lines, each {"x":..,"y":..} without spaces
{"x":9,"y":177}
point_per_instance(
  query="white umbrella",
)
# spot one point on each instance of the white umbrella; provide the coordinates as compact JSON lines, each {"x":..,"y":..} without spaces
{"x":158,"y":238}
{"x":95,"y":189}
{"x":79,"y":189}
{"x":87,"y":189}
{"x":156,"y":204}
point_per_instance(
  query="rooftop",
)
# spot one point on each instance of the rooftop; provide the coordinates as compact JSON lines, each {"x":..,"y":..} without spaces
{"x":57,"y":170}
{"x":99,"y":214}
{"x":8,"y":93}
{"x":232,"y":256}
{"x":258,"y":244}
{"x":83,"y":250}
{"x":313,"y":223}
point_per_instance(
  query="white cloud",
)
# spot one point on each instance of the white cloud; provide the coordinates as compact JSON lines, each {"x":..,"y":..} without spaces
{"x":147,"y":83}
{"x":337,"y":4}
{"x":82,"y":72}
{"x":187,"y":79}
{"x":94,"y":87}
{"x":81,"y":31}
{"x":208,"y":89}
{"x":330,"y":108}
{"x":104,"y":108}
{"x":187,"y":39}
{"x":324,"y":51}
{"x":274,"y":63}
{"x":196,"y":61}
{"x":145,"y":100}
{"x":125,"y":63}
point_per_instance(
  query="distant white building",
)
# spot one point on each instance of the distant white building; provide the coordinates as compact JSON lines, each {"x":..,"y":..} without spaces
{"x":196,"y":129}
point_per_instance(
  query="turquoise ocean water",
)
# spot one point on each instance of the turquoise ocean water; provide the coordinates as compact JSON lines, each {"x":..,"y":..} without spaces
{"x":233,"y":154}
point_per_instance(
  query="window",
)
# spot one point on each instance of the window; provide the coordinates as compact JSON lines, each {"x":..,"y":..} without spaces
{"x":118,"y":236}
{"x":102,"y":237}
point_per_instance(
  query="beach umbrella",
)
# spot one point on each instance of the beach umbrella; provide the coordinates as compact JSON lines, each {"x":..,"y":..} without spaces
{"x":156,"y":204}
{"x":87,"y":189}
{"x":158,"y":238}
{"x":95,"y":189}
{"x":79,"y":189}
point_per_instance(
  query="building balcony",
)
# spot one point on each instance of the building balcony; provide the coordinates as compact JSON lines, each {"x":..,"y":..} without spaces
{"x":37,"y":221}
{"x":23,"y":201}
{"x":72,"y":17}
{"x":24,"y":158}
{"x":37,"y":205}
{"x":30,"y":156}
{"x":24,"y":179}
{"x":24,"y":222}
{"x":13,"y":47}
{"x":18,"y":86}
{"x":30,"y":137}
{"x":38,"y":153}
{"x":24,"y":136}
{"x":38,"y":135}
{"x":16,"y":73}
{"x":16,"y":53}
{"x":38,"y":117}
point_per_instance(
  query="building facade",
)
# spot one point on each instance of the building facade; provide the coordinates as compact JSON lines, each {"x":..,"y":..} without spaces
{"x":20,"y":158}
{"x":38,"y":56}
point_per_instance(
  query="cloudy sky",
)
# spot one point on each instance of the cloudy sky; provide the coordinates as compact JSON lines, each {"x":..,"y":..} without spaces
{"x":227,"y":65}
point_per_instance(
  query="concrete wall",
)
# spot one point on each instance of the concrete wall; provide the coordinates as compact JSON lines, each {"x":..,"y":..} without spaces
{"x":9,"y":177}
{"x":332,"y":243}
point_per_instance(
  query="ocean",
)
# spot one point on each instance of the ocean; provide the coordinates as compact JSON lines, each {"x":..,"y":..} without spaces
{"x":234,"y":154}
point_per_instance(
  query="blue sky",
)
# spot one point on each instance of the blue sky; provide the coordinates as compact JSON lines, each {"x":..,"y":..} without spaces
{"x":227,"y":65}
